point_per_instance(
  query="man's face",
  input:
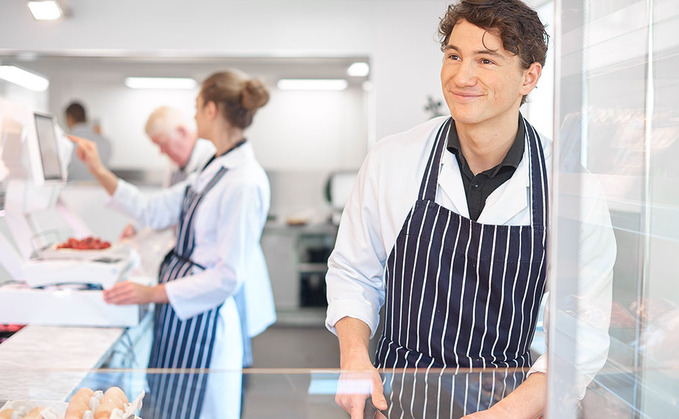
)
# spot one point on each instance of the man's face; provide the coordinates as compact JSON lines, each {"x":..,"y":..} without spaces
{"x":482,"y":82}
{"x":173,"y":147}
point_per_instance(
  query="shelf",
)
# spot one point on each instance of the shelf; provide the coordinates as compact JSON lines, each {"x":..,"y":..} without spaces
{"x":312,"y":267}
{"x":309,"y":316}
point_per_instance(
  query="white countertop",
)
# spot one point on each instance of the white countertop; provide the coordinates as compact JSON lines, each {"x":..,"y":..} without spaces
{"x":48,"y":362}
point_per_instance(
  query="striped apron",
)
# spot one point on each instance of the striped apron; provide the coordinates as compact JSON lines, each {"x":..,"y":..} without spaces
{"x":461,"y":295}
{"x":181,"y":344}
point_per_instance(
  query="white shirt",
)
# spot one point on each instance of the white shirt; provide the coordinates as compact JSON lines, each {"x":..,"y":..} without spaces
{"x":228,"y":227}
{"x":386,"y":188}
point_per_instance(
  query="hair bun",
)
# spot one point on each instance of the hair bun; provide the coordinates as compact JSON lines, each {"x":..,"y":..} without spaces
{"x":255,"y":95}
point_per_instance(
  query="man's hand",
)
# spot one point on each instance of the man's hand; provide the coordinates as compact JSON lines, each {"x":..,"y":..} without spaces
{"x":527,"y":401}
{"x":126,"y":293}
{"x":492,"y":413}
{"x":357,"y":382}
{"x":359,"y":379}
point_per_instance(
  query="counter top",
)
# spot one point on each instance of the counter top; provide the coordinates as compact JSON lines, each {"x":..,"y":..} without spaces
{"x":301,"y":228}
{"x":48,"y":362}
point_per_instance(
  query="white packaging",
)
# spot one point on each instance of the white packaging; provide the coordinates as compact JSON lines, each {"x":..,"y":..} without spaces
{"x":63,"y":306}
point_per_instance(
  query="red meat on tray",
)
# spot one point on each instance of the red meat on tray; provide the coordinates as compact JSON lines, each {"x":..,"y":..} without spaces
{"x":87,"y":243}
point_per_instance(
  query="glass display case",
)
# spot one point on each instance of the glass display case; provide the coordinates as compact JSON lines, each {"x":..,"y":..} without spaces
{"x":293,"y":393}
{"x":617,"y":126}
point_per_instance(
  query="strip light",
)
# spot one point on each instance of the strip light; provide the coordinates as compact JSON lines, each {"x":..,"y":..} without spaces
{"x":24,"y":78}
{"x":160,"y":83}
{"x":312,"y":84}
{"x":45,"y":9}
{"x":358,"y":69}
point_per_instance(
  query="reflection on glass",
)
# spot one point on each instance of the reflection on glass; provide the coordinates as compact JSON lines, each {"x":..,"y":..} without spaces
{"x":280,"y":393}
{"x":619,"y":119}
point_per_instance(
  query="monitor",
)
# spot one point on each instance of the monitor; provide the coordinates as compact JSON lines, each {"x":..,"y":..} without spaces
{"x":45,"y":126}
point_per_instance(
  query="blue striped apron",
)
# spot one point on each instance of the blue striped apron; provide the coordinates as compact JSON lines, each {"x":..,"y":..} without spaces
{"x":181,"y":344}
{"x":461,"y":295}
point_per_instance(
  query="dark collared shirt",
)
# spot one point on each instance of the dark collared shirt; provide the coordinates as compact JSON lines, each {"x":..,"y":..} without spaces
{"x":479,"y":187}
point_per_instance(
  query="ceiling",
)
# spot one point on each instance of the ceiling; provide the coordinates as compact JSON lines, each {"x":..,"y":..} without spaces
{"x":115,"y":69}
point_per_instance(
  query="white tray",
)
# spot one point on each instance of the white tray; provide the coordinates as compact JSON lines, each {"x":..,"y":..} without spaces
{"x":117,"y":250}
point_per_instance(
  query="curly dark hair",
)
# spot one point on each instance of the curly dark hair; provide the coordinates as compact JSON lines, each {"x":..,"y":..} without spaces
{"x":518,"y":26}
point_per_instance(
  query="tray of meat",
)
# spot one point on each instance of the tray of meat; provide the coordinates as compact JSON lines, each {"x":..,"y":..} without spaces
{"x":86,"y":248}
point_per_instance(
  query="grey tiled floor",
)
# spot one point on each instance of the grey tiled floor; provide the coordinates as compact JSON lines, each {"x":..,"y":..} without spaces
{"x":286,"y":395}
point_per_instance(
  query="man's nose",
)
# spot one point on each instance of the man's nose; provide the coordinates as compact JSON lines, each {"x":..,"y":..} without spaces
{"x":465,"y":74}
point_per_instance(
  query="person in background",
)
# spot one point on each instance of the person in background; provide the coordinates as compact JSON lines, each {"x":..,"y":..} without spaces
{"x":447,"y":227}
{"x":220,"y":211}
{"x":76,"y":120}
{"x":176,"y":138}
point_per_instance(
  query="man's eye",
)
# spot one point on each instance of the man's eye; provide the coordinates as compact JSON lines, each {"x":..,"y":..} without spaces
{"x":486,"y":61}
{"x":453,"y":57}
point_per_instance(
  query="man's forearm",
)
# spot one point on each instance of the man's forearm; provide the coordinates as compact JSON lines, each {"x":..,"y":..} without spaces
{"x":354,"y":338}
{"x":528,"y":400}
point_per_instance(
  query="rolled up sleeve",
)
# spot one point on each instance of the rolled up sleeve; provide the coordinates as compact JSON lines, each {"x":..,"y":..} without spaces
{"x":355,"y":283}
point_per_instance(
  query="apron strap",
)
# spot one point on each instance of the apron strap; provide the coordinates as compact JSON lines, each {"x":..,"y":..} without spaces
{"x":183,"y":258}
{"x":431,"y":172}
{"x":538,"y":175}
{"x":185,"y":235}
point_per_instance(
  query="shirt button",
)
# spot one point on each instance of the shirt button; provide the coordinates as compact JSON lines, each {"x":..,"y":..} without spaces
{"x":475,"y":186}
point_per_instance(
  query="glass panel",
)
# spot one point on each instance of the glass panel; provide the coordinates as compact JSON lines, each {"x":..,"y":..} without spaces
{"x":659,"y":337}
{"x":618,"y":122}
{"x":273,"y":393}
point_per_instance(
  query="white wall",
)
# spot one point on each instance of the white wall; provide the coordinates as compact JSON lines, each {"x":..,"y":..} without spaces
{"x":398,"y":36}
{"x":122,"y":113}
{"x":34,"y":100}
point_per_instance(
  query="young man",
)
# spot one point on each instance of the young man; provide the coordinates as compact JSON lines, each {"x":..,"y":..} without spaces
{"x":448,"y":223}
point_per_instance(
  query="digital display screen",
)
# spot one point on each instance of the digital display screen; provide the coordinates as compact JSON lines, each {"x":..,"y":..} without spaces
{"x":49,"y":150}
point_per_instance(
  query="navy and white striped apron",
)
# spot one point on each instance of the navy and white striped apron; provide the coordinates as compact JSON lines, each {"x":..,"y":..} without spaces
{"x":461,"y":295}
{"x":181,"y":344}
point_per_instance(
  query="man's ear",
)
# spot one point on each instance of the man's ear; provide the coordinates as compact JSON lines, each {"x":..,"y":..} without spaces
{"x":530,"y":78}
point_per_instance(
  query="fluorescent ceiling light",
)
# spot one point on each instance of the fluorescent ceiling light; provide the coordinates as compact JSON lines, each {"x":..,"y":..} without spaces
{"x":358,"y":69}
{"x":312,"y":84}
{"x":160,"y":83}
{"x":24,"y":78}
{"x":45,"y":9}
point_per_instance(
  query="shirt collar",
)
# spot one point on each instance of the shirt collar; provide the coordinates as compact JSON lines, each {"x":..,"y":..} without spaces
{"x":511,"y":159}
{"x":232,"y":157}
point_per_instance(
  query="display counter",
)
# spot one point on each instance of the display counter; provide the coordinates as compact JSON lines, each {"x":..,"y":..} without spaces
{"x":49,"y":362}
{"x":305,"y":393}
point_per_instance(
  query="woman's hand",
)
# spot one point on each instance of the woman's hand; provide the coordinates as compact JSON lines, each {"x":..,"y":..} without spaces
{"x":126,"y":292}
{"x":128,"y":232}
{"x":87,"y":152}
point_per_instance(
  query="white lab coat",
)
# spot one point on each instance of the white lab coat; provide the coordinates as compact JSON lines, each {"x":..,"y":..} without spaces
{"x":228,"y":226}
{"x":386,"y":188}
